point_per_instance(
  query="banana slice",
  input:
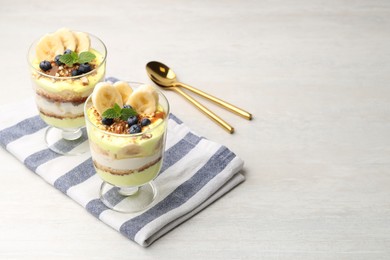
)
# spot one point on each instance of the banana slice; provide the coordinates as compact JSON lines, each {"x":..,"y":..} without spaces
{"x":105,"y":96}
{"x":48,"y":47}
{"x":83,"y":42}
{"x":67,"y":38}
{"x":144,"y":100}
{"x":124,"y":89}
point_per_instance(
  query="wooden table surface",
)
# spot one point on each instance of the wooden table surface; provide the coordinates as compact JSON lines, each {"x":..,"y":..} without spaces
{"x":316,"y":76}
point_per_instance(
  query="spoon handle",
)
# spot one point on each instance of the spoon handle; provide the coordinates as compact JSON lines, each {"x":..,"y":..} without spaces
{"x":205,"y":110}
{"x":220,"y":102}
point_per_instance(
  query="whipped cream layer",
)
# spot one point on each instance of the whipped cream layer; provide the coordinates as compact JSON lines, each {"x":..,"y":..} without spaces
{"x":120,"y":166}
{"x":60,"y":109}
{"x":65,"y":115}
{"x":129,"y":171}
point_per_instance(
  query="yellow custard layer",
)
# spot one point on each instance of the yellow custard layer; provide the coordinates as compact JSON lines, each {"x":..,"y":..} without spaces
{"x":63,"y":123}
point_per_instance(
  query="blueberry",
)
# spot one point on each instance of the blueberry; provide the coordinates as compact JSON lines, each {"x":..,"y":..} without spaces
{"x":127,"y":106}
{"x":133,"y":120}
{"x":45,"y":65}
{"x":84,"y":68}
{"x":67,"y":51}
{"x":145,"y":121}
{"x":75,"y":73}
{"x":57,"y":60}
{"x":107,"y":121}
{"x":134,"y":129}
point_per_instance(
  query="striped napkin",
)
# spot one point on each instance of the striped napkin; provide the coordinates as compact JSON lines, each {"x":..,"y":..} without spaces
{"x":194,"y":174}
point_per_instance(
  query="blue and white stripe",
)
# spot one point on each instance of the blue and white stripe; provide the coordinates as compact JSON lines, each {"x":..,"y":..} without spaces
{"x":195,"y":173}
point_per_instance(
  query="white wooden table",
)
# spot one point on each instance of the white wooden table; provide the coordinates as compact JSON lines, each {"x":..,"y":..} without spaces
{"x":315,"y":74}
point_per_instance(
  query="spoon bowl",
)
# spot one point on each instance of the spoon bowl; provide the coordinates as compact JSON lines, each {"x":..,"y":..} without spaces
{"x":161,"y":74}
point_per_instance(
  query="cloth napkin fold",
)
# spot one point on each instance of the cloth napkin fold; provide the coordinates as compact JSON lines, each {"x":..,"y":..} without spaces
{"x":195,"y":173}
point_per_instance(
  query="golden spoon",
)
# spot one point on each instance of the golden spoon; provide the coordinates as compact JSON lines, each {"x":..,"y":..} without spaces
{"x":156,"y":75}
{"x":163,"y":76}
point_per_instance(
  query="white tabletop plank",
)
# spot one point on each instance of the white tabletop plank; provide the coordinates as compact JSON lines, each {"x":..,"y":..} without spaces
{"x":315,"y":75}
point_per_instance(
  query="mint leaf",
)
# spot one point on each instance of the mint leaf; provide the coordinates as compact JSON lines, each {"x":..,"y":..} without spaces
{"x":71,"y":58}
{"x":117,"y":112}
{"x":75,"y":56}
{"x":117,"y":109}
{"x":85,"y":57}
{"x":68,"y":59}
{"x":126,"y":113}
{"x":111,"y":113}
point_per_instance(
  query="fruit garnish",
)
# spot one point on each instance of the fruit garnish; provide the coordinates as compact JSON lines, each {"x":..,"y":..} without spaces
{"x":83,"y":41}
{"x":130,"y":111}
{"x":84,"y":68}
{"x":74,"y":73}
{"x":45,"y":65}
{"x":145,"y":121}
{"x":71,"y":58}
{"x":134,"y":129}
{"x":49,"y":46}
{"x":124,"y":89}
{"x":104,"y":96}
{"x":132,"y":120}
{"x":107,"y":121}
{"x":118,"y":112}
{"x":67,"y":38}
{"x":57,"y":60}
{"x":55,"y":43}
{"x":144,"y":100}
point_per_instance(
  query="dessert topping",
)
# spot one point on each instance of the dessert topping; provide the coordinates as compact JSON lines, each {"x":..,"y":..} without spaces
{"x":124,"y":89}
{"x":57,"y":60}
{"x":71,"y":58}
{"x":145,"y":122}
{"x":62,"y":40}
{"x":45,"y":65}
{"x":132,"y":120}
{"x":105,"y":96}
{"x":65,"y":53}
{"x":118,"y":112}
{"x":144,"y":100}
{"x":135,"y":129}
{"x":107,"y":121}
{"x":139,"y":111}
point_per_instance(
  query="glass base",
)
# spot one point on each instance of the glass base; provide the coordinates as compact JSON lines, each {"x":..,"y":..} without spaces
{"x":128,"y":199}
{"x":67,"y":142}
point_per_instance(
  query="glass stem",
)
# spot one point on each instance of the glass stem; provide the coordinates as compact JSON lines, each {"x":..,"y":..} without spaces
{"x":71,"y":134}
{"x":128,"y":191}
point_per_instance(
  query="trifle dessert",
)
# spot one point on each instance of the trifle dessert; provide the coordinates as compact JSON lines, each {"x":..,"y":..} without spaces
{"x":126,"y":125}
{"x":65,"y":66}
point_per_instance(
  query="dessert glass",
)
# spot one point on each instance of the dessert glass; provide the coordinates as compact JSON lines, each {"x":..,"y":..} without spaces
{"x":60,"y":100}
{"x":128,"y":163}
